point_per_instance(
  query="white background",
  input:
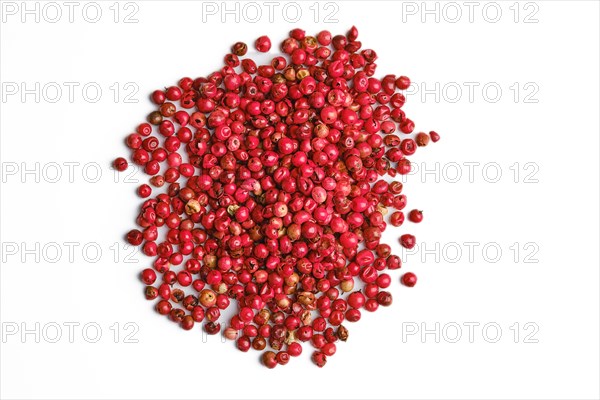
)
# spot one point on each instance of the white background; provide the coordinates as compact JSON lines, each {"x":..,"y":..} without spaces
{"x":554,"y":211}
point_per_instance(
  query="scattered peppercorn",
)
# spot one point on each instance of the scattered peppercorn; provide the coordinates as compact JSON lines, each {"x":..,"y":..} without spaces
{"x":263,"y":44}
{"x":415,"y":216}
{"x":422,"y":139}
{"x":409,"y":279}
{"x":120,"y":164}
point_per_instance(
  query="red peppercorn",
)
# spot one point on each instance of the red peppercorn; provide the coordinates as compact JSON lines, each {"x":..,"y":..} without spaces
{"x":144,"y":191}
{"x":353,"y":315}
{"x":176,"y":315}
{"x":282,"y":358}
{"x":407,"y":126}
{"x":383,"y":281}
{"x":371,"y":305}
{"x":158,"y":97}
{"x":263,"y":44}
{"x":134,"y":141}
{"x":304,"y":333}
{"x":174,"y":93}
{"x":409,"y":279}
{"x":393,"y":262}
{"x":336,"y":318}
{"x":318,"y":340}
{"x":187,"y":322}
{"x":415,"y":216}
{"x":408,"y":147}
{"x":408,"y":241}
{"x":144,"y":129}
{"x":294,"y":349}
{"x":319,"y":359}
{"x":148,"y":276}
{"x":135,"y":237}
{"x":239,"y":49}
{"x":212,"y":328}
{"x":163,"y":307}
{"x":120,"y":164}
{"x":164,"y":291}
{"x":371,"y":290}
{"x":404,"y":166}
{"x":397,"y":218}
{"x":328,"y":349}
{"x":324,"y":38}
{"x":269,"y":359}
{"x":152,"y":167}
{"x":243,"y":343}
{"x":403,"y":83}
{"x":198,"y":314}
{"x":384,"y":298}
{"x":356,"y":300}
{"x":151,"y":292}
{"x":422,"y":139}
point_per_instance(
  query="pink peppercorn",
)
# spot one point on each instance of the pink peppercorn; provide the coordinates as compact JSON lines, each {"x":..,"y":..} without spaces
{"x":270,"y":193}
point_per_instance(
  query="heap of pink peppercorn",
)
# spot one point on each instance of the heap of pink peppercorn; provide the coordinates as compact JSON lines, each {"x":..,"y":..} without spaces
{"x":272,"y":194}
